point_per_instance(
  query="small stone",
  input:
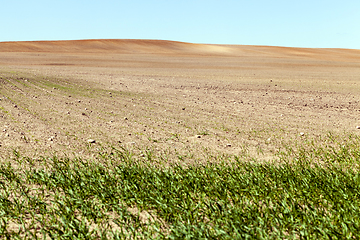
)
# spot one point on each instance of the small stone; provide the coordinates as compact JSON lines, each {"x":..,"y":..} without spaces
{"x":68,"y":112}
{"x":357,"y":127}
{"x":15,"y":106}
{"x":125,"y":118}
{"x":91,"y":141}
{"x":183,"y":108}
{"x":132,"y":143}
{"x":84,"y":114}
{"x":228,"y":145}
{"x":51,"y":139}
{"x":142,"y":155}
{"x":302,"y":134}
{"x":198,"y":136}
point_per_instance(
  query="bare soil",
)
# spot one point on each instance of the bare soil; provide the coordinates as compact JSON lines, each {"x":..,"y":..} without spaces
{"x":181,"y":100}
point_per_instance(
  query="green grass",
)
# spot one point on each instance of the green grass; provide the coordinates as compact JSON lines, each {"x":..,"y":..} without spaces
{"x":312,"y":193}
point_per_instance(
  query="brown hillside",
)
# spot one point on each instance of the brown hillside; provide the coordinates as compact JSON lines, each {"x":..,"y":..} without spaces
{"x":103,"y":45}
{"x":177,"y":97}
{"x":174,"y":47}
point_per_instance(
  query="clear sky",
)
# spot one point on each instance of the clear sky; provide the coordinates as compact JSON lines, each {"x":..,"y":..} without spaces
{"x":293,"y":23}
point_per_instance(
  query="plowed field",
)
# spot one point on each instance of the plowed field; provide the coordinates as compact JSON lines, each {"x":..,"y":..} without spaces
{"x":189,"y":101}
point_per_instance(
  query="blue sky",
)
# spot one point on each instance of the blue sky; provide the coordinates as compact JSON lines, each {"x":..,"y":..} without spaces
{"x":306,"y":23}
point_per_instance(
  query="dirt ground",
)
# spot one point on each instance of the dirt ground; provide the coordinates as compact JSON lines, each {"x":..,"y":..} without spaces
{"x":180,"y":100}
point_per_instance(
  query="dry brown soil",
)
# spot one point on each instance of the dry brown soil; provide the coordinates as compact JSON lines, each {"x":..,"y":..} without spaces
{"x":178,"y":100}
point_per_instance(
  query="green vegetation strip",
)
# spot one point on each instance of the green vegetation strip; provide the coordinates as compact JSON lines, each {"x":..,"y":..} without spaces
{"x":123,"y":198}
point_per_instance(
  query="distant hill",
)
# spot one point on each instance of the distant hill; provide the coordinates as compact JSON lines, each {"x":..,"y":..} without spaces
{"x":138,"y":46}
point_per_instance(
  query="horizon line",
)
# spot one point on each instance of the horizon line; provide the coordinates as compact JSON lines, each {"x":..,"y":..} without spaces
{"x":175,"y":41}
